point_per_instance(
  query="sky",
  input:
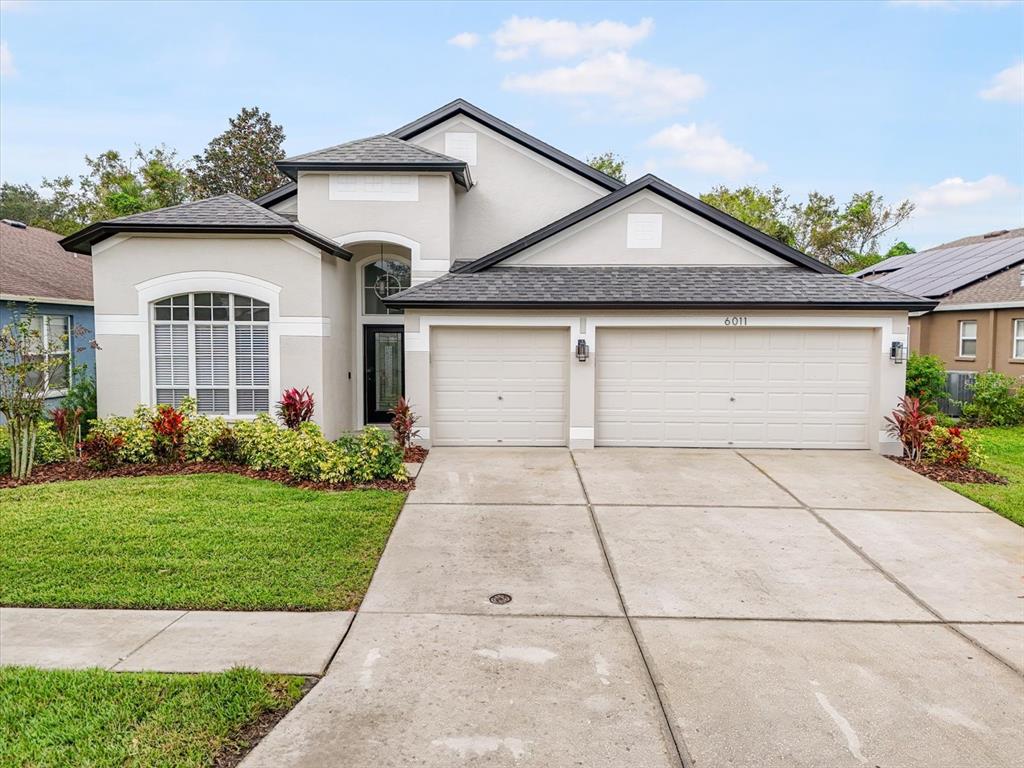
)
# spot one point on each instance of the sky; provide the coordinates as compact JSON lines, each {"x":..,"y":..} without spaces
{"x":920,"y":100}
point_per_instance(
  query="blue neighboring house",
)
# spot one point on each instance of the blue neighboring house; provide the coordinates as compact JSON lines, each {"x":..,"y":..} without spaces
{"x":34,"y":268}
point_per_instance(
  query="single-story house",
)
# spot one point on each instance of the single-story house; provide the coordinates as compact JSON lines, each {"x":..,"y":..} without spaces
{"x":34,"y":269}
{"x":978,"y":323}
{"x":516,"y":295}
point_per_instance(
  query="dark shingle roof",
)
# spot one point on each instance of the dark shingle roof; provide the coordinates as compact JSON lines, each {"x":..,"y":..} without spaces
{"x":382,"y":153}
{"x":939,"y":271}
{"x":653,"y":287}
{"x":275,"y":196}
{"x":33,"y":264}
{"x":222,"y":214}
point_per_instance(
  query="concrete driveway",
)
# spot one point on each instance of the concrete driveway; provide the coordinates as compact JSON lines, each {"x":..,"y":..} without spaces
{"x":677,"y":608}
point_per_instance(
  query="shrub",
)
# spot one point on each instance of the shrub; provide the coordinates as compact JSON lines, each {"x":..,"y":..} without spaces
{"x":926,"y":380}
{"x":911,"y":425}
{"x":953,"y":447}
{"x":169,"y":430}
{"x":302,"y":451}
{"x":82,"y":394}
{"x":68,"y":424}
{"x":295,"y":407}
{"x":403,"y":423}
{"x":223,"y":447}
{"x":373,"y":456}
{"x":200,"y":437}
{"x":135,"y":432}
{"x":258,"y":442}
{"x":998,"y":401}
{"x":102,"y":450}
{"x":49,"y":448}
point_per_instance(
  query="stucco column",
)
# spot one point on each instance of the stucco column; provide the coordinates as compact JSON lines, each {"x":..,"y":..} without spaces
{"x":582,"y":385}
{"x":417,"y":373}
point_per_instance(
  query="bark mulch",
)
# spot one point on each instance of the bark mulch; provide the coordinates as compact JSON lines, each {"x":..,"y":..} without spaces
{"x":73,"y":470}
{"x":415,"y":454}
{"x":943,"y":474}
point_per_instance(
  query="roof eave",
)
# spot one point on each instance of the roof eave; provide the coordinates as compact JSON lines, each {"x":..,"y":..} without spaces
{"x":275,"y":196}
{"x":920,"y":306}
{"x":459,"y":171}
{"x":82,"y":241}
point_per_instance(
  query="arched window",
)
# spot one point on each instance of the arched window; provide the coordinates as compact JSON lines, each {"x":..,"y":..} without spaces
{"x":214,"y":347}
{"x":383,"y":278}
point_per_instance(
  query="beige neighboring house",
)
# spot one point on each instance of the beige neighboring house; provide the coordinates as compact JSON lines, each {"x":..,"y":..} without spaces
{"x":514,"y":294}
{"x":978,"y":281}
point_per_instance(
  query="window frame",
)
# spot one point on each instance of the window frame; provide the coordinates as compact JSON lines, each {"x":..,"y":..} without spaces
{"x":1017,"y":339}
{"x":962,"y":338}
{"x":363,"y":287}
{"x":67,"y":351}
{"x":250,"y":305}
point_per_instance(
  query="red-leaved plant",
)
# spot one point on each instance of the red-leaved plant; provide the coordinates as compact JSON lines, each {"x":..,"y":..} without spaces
{"x":951,"y":448}
{"x":101,"y":451}
{"x":169,"y":430}
{"x":403,"y":422}
{"x":68,"y":423}
{"x":295,"y":407}
{"x":911,"y":425}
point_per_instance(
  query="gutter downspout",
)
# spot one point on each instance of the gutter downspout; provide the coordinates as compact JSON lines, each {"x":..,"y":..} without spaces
{"x":991,"y":340}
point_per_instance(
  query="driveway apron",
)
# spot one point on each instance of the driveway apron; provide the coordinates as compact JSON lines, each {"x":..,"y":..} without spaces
{"x":660,"y":607}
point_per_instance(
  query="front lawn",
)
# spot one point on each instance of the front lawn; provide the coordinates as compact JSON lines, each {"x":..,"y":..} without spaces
{"x":215,"y":541}
{"x":98,"y":718}
{"x":1004,"y":448}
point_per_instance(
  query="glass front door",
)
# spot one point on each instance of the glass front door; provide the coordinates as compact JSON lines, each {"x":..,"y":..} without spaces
{"x":384,"y":362}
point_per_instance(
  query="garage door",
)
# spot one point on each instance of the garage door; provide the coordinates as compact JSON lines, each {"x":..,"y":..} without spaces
{"x":752,"y":387}
{"x":499,"y":386}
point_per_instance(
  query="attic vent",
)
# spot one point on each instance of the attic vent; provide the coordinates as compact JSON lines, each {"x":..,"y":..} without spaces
{"x":15,"y":224}
{"x":997,"y":233}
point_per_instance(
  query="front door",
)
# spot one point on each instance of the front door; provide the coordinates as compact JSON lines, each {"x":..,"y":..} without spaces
{"x":384,"y":365}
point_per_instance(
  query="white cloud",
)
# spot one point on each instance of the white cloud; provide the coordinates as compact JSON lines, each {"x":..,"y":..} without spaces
{"x":703,"y":149}
{"x":553,"y":38}
{"x":956,"y":192}
{"x":632,"y":87}
{"x":1007,"y":85}
{"x":465,"y":40}
{"x":6,"y":60}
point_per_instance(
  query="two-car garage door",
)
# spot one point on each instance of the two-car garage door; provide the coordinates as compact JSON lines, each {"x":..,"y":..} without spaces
{"x":662,"y":386}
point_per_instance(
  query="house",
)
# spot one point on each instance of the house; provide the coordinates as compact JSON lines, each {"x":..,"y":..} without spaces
{"x":516,"y":295}
{"x":35,"y":269}
{"x":978,"y":324}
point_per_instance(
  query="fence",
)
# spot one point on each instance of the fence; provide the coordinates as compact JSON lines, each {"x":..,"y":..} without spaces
{"x":959,"y":385}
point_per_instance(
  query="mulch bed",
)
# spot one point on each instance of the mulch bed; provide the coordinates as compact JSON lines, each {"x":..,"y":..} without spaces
{"x":415,"y":454}
{"x":73,"y":470}
{"x":943,"y":474}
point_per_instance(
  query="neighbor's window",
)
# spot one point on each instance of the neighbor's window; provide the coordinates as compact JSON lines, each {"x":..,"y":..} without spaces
{"x":380,"y":280}
{"x":55,"y":336}
{"x":1018,"y":339}
{"x":968,"y":338}
{"x":214,"y":347}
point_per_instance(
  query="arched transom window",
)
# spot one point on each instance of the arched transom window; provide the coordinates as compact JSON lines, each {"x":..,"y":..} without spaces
{"x":382,"y":278}
{"x":214,"y":347}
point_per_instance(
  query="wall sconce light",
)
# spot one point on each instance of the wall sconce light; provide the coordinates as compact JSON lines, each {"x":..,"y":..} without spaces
{"x":898,"y":352}
{"x":582,"y":350}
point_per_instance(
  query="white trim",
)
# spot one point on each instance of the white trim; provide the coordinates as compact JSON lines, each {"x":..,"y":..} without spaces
{"x":980,"y":305}
{"x":961,"y":339}
{"x":1016,"y":337}
{"x":417,"y":262}
{"x":45,"y":300}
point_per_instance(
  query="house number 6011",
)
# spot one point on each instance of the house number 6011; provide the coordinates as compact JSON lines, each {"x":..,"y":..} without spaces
{"x":736,"y":320}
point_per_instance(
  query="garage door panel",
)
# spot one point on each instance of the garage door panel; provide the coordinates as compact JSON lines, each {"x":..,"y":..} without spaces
{"x":499,"y":386}
{"x":738,"y":386}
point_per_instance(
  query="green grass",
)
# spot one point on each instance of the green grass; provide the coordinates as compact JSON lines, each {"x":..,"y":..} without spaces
{"x":97,"y":718}
{"x":1004,"y":448}
{"x":214,"y":541}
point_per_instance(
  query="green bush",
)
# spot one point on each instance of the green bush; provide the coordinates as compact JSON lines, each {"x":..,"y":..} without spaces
{"x":303,"y":451}
{"x":998,"y":401}
{"x":926,"y":379}
{"x":258,"y":442}
{"x":136,"y":433}
{"x":373,"y":455}
{"x":953,"y":447}
{"x":202,"y":434}
{"x":48,"y":446}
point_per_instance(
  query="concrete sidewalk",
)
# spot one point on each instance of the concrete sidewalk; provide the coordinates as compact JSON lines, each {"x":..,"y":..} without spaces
{"x":171,"y":641}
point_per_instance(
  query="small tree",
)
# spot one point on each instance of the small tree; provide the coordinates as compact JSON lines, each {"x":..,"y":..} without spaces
{"x":610,"y":164}
{"x":240,"y":160}
{"x":26,"y":362}
{"x":926,"y":380}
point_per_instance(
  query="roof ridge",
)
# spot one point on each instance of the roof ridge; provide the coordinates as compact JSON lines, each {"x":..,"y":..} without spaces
{"x":374,"y":137}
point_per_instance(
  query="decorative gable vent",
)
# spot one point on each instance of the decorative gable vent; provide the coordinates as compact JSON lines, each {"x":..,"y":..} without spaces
{"x":643,"y":230}
{"x":461,"y":145}
{"x":389,"y":187}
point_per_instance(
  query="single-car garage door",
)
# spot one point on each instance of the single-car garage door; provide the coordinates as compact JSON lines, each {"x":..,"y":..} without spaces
{"x":751,"y":387}
{"x":499,"y":386}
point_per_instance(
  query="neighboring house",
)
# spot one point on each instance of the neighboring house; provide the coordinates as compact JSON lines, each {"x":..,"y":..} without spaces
{"x":978,"y":324}
{"x":35,"y":269}
{"x":514,"y":294}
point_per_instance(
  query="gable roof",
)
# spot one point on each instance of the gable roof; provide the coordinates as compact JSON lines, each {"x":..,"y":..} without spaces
{"x":377,"y":153}
{"x":661,"y":287}
{"x":228,"y":214}
{"x":33,"y":265}
{"x":463,"y":107}
{"x":667,"y":191}
{"x":939,"y":271}
{"x":275,"y":196}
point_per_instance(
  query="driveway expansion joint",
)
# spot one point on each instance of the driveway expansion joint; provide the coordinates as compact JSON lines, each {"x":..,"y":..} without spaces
{"x":949,"y":624}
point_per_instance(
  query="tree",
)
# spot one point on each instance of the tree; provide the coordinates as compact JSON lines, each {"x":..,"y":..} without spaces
{"x":609,"y":164}
{"x":240,"y":160}
{"x":900,"y":248}
{"x":765,"y":210}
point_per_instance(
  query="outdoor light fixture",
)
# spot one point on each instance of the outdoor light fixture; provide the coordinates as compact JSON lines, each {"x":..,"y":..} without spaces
{"x":582,"y":350}
{"x":898,"y":352}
